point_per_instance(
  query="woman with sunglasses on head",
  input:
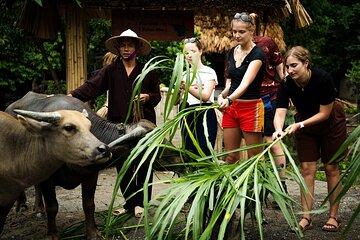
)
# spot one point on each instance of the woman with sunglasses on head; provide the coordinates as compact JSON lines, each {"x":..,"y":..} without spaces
{"x":240,"y":100}
{"x":320,"y":128}
{"x":201,"y":93}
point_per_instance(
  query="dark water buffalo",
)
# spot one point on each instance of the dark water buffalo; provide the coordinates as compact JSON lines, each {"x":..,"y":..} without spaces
{"x":32,"y":150}
{"x":70,"y":176}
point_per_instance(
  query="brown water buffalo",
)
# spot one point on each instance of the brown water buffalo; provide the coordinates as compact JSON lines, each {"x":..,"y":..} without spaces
{"x":32,"y":150}
{"x":70,"y":176}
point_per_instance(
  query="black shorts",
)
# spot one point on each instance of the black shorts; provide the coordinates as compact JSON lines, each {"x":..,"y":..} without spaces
{"x":269,"y":119}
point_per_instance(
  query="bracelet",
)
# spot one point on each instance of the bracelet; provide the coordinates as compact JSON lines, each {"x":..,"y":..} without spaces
{"x":230,"y":101}
{"x":301,"y":124}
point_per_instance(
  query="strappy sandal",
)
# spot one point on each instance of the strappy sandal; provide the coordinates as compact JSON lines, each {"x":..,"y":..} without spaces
{"x":186,"y":208}
{"x":138,"y":211}
{"x":308,"y":226}
{"x":119,"y":211}
{"x":328,"y":227}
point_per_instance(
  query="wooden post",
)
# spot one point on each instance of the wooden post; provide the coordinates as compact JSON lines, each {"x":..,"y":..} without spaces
{"x":76,"y":54}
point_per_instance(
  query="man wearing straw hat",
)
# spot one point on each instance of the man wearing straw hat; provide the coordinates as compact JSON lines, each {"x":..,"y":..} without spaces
{"x":118,"y":79}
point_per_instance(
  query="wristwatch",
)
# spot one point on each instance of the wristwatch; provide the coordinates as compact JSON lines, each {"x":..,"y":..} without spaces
{"x":301,"y":124}
{"x":229,"y":99}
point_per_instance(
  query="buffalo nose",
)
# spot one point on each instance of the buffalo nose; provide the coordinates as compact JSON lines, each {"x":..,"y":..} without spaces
{"x":105,"y":150}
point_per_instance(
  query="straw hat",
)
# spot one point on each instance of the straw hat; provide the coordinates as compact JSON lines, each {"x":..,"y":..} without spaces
{"x":112,"y":44}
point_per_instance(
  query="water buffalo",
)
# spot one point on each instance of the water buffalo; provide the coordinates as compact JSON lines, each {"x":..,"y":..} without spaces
{"x":32,"y":150}
{"x":70,"y":176}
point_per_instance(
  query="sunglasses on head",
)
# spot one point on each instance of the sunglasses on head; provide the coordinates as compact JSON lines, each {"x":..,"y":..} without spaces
{"x":243,"y":17}
{"x":190,"y":40}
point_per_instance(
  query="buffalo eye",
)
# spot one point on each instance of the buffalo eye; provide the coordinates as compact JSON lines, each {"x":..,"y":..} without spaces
{"x":69,"y":128}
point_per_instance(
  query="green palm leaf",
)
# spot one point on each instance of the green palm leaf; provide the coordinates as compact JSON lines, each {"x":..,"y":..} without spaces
{"x":216,"y":191}
{"x":351,"y":175}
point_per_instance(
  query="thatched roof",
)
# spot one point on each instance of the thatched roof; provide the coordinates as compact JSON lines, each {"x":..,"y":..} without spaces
{"x":212,"y":17}
{"x":231,"y":5}
{"x":216,"y":36}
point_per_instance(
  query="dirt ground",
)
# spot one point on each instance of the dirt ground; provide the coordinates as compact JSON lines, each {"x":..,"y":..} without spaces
{"x":27,"y":226}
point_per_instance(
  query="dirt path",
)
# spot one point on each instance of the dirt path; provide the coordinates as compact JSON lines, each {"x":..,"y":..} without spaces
{"x":27,"y":226}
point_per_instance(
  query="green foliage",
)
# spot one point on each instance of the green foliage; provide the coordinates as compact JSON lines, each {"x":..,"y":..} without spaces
{"x":18,"y":62}
{"x":350,"y":177}
{"x":320,"y":176}
{"x":55,"y":53}
{"x":52,"y":89}
{"x":100,"y":101}
{"x":351,"y":111}
{"x":354,"y":76}
{"x":38,"y":2}
{"x":21,"y":62}
{"x":98,"y":31}
{"x":168,"y":49}
{"x":221,"y":188}
{"x":333,"y":37}
{"x":78,"y":2}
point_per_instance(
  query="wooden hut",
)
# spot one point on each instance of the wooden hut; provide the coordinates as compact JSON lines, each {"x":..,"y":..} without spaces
{"x":210,"y":17}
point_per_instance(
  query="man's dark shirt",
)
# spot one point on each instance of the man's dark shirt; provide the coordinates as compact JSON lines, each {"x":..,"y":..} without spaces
{"x":115,"y":79}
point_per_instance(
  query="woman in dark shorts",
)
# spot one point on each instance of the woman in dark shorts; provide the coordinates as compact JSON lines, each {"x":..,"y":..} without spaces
{"x":320,"y":127}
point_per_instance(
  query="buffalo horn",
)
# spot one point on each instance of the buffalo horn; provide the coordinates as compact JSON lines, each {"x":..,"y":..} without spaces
{"x":137,"y":132}
{"x":50,"y":117}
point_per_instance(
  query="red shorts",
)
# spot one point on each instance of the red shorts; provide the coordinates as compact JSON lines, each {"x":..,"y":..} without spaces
{"x":248,"y":115}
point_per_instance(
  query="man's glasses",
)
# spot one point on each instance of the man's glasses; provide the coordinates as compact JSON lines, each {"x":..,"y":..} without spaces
{"x":243,"y":17}
{"x":190,"y":40}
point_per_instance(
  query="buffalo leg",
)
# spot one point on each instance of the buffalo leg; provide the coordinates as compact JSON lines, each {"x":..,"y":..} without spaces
{"x":51,"y":207}
{"x":21,"y":203}
{"x":4,"y":211}
{"x":39,"y":203}
{"x":88,"y":187}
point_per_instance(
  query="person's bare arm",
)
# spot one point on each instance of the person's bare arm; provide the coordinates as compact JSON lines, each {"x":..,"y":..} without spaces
{"x":321,"y":116}
{"x":248,"y":78}
{"x":206,"y":91}
{"x":280,"y":71}
{"x":279,"y":120}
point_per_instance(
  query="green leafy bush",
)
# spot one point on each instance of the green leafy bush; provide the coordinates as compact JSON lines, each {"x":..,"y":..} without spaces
{"x":354,"y":76}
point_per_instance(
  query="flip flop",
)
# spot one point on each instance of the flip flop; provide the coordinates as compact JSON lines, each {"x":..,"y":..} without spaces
{"x":328,"y":227}
{"x":119,"y":211}
{"x":139,"y":211}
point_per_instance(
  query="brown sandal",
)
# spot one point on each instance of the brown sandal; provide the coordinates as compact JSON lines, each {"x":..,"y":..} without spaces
{"x":332,"y":227}
{"x":138,"y":211}
{"x":307,"y":226}
{"x":119,"y":211}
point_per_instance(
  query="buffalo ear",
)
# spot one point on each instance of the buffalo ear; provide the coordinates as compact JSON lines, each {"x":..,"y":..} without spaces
{"x":86,"y":114}
{"x":32,"y":125}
